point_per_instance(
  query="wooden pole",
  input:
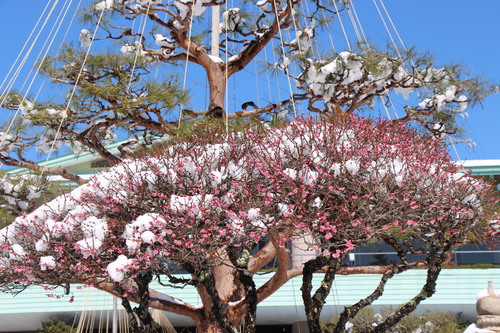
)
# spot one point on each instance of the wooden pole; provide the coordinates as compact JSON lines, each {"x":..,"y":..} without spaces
{"x":215,"y":30}
{"x":115,"y":315}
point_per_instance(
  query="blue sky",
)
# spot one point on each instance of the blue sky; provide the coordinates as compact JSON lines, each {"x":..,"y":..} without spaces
{"x":465,"y":32}
{"x":458,"y":31}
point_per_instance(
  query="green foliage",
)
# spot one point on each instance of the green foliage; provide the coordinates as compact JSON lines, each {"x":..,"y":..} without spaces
{"x":428,"y":322}
{"x":207,"y":127}
{"x":6,"y":216}
{"x":113,"y":78}
{"x":56,"y":325}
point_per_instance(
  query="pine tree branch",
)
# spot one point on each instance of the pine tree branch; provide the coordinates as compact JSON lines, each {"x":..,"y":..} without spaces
{"x":30,"y":165}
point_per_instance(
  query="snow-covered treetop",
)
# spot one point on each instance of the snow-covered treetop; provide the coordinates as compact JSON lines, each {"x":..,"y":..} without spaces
{"x":348,"y":181}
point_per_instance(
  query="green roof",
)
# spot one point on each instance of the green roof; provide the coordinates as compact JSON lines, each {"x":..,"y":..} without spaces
{"x":483,"y":167}
{"x":72,"y":159}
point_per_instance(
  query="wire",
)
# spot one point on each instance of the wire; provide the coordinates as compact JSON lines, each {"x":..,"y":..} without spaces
{"x":72,"y":94}
{"x":353,"y":15}
{"x":256,"y":81}
{"x":269,"y":95}
{"x":393,"y":26}
{"x":4,"y":97}
{"x":226,"y":78}
{"x":186,"y":66}
{"x":139,"y":47}
{"x":425,"y":86}
{"x":354,"y":24}
{"x":16,"y":75}
{"x":41,"y":59}
{"x":387,"y":29}
{"x":61,"y":17}
{"x":342,"y":26}
{"x":24,"y":47}
{"x":328,"y":30}
{"x":358,"y":21}
{"x":285,"y":65}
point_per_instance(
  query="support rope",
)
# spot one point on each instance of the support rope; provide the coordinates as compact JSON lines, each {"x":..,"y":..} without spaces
{"x":342,"y":26}
{"x":181,"y":106}
{"x":3,"y":97}
{"x":72,"y":94}
{"x":283,"y":49}
{"x":226,"y":115}
{"x":24,"y":47}
{"x":139,"y":48}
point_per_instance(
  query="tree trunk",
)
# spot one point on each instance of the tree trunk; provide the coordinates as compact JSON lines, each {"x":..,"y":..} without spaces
{"x":313,"y":304}
{"x":217,"y":288}
{"x":310,"y":304}
{"x":209,"y":326}
{"x":217,"y":81}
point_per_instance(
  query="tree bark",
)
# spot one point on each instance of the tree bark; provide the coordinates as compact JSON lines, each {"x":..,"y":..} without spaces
{"x":351,"y":311}
{"x":217,"y":81}
{"x":313,"y":304}
{"x":216,"y":308}
{"x":436,"y":258}
{"x":208,"y":326}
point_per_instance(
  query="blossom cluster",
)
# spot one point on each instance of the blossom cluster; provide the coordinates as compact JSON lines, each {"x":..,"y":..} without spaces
{"x":344,"y":181}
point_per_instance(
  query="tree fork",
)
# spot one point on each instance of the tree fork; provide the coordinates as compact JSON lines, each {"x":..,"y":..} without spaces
{"x":351,"y":311}
{"x":146,"y":322}
{"x":314,"y":305}
{"x":436,"y":258}
{"x":250,"y":289}
{"x":218,"y":310}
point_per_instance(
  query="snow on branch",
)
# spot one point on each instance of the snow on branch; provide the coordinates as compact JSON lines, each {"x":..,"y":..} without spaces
{"x":351,"y":80}
{"x":346,"y":181}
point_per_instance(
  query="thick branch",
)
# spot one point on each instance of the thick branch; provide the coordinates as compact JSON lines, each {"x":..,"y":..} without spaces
{"x":262,"y":258}
{"x":435,"y":260}
{"x":158,"y":301}
{"x":61,"y":171}
{"x":351,"y":311}
{"x":257,"y":45}
{"x":250,"y":113}
{"x":276,"y":281}
{"x":314,"y":303}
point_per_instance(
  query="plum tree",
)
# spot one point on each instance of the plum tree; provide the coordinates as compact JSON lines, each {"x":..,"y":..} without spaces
{"x":204,"y":204}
